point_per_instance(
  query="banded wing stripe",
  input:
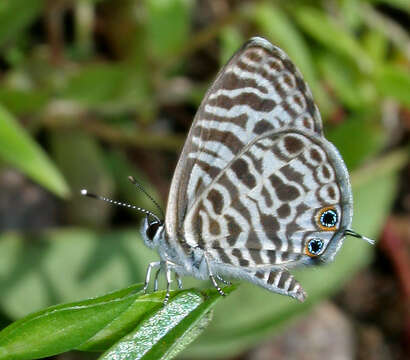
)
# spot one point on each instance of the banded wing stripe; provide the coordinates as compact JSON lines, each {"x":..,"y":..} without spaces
{"x":252,"y":258}
{"x":280,"y":281}
{"x":267,"y":197}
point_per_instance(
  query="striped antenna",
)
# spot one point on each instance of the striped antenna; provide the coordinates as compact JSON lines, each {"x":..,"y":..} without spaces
{"x":140,"y":187}
{"x":85,"y":192}
{"x":356,"y":235}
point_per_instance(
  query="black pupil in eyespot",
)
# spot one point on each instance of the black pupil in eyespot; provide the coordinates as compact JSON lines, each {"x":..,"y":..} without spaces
{"x":152,"y":230}
{"x":329,"y":218}
{"x":315,"y":246}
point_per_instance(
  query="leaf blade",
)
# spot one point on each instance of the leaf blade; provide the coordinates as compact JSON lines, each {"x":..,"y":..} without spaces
{"x":60,"y":328}
{"x":19,"y":150}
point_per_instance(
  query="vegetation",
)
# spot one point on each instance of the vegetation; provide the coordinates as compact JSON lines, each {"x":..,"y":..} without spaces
{"x":95,"y":90}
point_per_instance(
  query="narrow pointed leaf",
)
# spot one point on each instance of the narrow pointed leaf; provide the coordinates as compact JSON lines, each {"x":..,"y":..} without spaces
{"x":63,"y":327}
{"x":394,"y":81}
{"x":164,"y":18}
{"x":19,"y":150}
{"x":168,"y":330}
{"x":95,"y":324}
{"x":332,"y":35}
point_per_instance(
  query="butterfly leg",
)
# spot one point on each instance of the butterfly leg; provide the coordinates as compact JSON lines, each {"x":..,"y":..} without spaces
{"x":148,"y":273}
{"x":168,"y":267}
{"x":226,"y":282}
{"x":215,"y":284}
{"x":168,"y":270}
{"x":212,"y":278}
{"x":178,"y":279}
{"x":156,"y":279}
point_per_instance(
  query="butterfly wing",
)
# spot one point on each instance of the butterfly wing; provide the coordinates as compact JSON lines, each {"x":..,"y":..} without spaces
{"x":261,"y":210}
{"x":259,"y":90}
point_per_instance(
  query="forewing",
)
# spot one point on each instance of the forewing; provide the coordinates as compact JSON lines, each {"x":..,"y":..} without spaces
{"x":258,"y":90}
{"x":263,"y":207}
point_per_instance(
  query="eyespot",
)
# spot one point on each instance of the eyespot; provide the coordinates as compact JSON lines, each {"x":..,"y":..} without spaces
{"x":314,"y":247}
{"x":327,"y":219}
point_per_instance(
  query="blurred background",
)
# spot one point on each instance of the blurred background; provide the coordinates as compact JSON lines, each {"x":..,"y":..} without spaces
{"x":92,"y":91}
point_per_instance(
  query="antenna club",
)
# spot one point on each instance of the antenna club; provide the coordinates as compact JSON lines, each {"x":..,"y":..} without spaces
{"x":356,"y":235}
{"x":118,"y":203}
{"x":370,"y":241}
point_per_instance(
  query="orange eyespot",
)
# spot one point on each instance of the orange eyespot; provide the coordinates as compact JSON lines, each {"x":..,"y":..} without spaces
{"x":327,"y":218}
{"x":314,"y":247}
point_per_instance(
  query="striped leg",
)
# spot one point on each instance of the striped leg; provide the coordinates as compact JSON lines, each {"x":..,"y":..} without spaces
{"x":156,"y":279}
{"x":226,"y":282}
{"x":178,"y":279}
{"x":148,"y":273}
{"x":212,"y":278}
{"x":168,"y":267}
{"x":168,"y":279}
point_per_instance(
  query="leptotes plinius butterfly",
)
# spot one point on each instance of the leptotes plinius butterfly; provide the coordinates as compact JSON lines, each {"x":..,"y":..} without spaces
{"x":257,"y":189}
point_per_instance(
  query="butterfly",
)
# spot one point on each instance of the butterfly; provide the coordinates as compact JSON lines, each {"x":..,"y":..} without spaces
{"x":257,"y":190}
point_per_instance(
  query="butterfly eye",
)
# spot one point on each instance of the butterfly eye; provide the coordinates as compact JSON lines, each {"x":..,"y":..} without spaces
{"x":152,"y":230}
{"x":314,"y":247}
{"x":327,"y":219}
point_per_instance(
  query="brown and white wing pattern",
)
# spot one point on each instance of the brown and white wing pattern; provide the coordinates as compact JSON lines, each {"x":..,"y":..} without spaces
{"x":279,"y":281}
{"x":263,"y":208}
{"x":258,"y":91}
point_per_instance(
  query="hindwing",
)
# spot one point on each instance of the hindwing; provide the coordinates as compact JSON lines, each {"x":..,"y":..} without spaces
{"x":264,"y":206}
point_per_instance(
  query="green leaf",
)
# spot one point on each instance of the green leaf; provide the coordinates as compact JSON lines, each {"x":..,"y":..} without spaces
{"x":349,"y":11}
{"x":23,"y":101}
{"x":19,"y":150}
{"x":343,"y":80}
{"x":61,"y":328}
{"x":394,"y":81}
{"x":94,"y":324}
{"x":16,"y":15}
{"x":376,"y":45}
{"x":97,"y":85}
{"x":168,"y":24}
{"x":124,"y":322}
{"x":168,"y":330}
{"x":358,"y":139}
{"x":332,"y":35}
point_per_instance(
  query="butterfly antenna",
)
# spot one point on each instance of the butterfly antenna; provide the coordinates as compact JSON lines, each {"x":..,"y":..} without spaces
{"x":356,"y":235}
{"x":85,"y":192}
{"x":140,"y":187}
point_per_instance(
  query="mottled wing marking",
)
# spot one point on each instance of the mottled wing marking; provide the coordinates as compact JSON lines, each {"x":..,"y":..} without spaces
{"x":259,"y":90}
{"x":279,"y":281}
{"x":261,"y":209}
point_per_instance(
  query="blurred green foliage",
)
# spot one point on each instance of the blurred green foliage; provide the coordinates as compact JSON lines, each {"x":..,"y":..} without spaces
{"x":95,"y":90}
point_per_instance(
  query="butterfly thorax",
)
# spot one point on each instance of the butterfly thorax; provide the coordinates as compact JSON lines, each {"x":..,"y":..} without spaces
{"x":189,"y":260}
